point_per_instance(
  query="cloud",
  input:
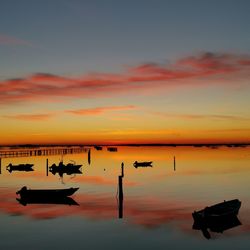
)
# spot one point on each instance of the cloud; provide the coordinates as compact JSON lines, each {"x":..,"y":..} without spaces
{"x":198,"y":116}
{"x":100,"y":110}
{"x":30,"y":117}
{"x":9,"y":40}
{"x":140,"y":79}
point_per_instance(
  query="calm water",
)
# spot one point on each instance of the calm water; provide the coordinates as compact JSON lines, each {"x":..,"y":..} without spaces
{"x":157,"y":205}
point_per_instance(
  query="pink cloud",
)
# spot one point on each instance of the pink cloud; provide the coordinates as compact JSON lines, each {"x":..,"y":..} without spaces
{"x":137,"y":80}
{"x":30,"y":117}
{"x":100,"y":110}
{"x":8,"y":40}
{"x":197,"y":116}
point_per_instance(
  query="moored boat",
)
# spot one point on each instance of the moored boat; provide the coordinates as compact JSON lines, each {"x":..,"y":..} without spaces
{"x":31,"y":193}
{"x":143,"y":164}
{"x":98,"y":147}
{"x":65,"y":168}
{"x":112,"y":149}
{"x":20,"y":167}
{"x":219,"y":211}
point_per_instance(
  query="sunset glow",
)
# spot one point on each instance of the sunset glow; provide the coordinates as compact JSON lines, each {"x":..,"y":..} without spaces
{"x":60,"y":84}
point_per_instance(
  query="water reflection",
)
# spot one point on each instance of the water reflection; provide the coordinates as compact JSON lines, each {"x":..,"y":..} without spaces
{"x":159,"y":198}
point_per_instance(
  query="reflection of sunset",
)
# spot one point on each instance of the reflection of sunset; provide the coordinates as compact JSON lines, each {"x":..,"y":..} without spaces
{"x":153,"y":196}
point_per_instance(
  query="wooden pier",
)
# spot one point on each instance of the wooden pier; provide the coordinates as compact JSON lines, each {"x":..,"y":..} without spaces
{"x":25,"y":152}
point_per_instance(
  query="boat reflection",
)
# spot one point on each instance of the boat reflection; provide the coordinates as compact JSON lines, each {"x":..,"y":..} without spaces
{"x":20,"y":167}
{"x":47,"y":200}
{"x":69,"y":169}
{"x":218,"y":226}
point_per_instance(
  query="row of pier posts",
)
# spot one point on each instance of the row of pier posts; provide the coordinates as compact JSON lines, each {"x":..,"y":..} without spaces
{"x":40,"y":152}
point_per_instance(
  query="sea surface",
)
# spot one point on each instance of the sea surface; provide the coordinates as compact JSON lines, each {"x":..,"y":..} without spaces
{"x":152,"y":211}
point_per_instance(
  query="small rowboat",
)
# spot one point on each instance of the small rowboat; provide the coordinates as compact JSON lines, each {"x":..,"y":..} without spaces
{"x":31,"y":193}
{"x":219,"y":211}
{"x":98,"y":147}
{"x":112,"y":149}
{"x":142,"y":164}
{"x":20,"y":167}
{"x":65,"y":168}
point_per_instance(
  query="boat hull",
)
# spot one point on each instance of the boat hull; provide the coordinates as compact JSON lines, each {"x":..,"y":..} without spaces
{"x":41,"y":193}
{"x":20,"y":167}
{"x":220,"y":211}
{"x":143,"y":164}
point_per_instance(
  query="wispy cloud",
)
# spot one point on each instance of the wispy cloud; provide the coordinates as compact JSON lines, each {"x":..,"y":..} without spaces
{"x":100,"y":110}
{"x":140,"y":79}
{"x":30,"y":117}
{"x":9,"y":40}
{"x":199,"y":116}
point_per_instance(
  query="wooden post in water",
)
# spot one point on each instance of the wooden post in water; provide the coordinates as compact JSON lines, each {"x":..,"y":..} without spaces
{"x":120,"y":197}
{"x":120,"y":184}
{"x":89,"y":156}
{"x":122,"y":168}
{"x":47,"y":167}
{"x":174,"y":163}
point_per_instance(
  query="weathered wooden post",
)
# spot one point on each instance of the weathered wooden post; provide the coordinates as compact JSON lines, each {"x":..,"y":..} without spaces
{"x":89,"y":156}
{"x":174,"y":163}
{"x":0,"y":165}
{"x":122,"y":168}
{"x":120,"y":184}
{"x":47,"y":167}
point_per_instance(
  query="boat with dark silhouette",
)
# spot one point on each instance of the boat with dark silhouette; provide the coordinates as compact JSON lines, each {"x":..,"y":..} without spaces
{"x":218,"y":226}
{"x":143,"y":164}
{"x":20,"y":167}
{"x":45,"y":193}
{"x":218,"y":211}
{"x":98,"y":147}
{"x":64,"y":168}
{"x":62,"y":200}
{"x":112,"y":149}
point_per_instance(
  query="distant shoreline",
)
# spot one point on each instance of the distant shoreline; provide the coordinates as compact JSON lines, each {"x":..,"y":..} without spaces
{"x":129,"y":145}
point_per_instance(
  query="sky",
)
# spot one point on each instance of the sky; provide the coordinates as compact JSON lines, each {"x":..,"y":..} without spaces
{"x":136,"y":71}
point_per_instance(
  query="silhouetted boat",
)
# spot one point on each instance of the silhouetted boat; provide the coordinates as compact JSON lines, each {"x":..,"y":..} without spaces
{"x":64,"y":200}
{"x":218,"y":211}
{"x":112,"y":149}
{"x":142,"y":164}
{"x":98,"y":147}
{"x":63,"y":167}
{"x":45,"y":193}
{"x":20,"y":167}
